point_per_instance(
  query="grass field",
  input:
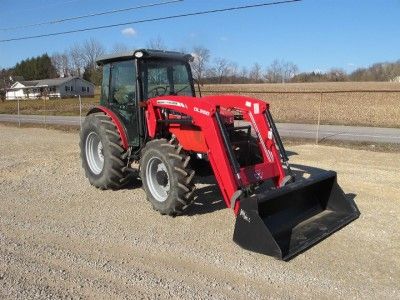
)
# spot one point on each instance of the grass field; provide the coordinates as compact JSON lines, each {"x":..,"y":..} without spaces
{"x":345,"y":103}
{"x":56,"y":107}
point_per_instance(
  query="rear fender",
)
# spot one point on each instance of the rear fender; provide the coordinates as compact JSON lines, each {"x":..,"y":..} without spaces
{"x":116,"y":120}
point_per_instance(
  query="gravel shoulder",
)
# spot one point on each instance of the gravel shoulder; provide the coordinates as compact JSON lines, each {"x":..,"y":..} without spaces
{"x":62,"y":238}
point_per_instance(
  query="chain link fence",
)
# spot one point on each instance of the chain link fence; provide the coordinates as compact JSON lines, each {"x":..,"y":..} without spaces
{"x":43,"y":110}
{"x":371,"y":108}
{"x":365,"y":108}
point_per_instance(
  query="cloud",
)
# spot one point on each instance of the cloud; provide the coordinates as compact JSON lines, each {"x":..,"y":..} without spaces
{"x":129,"y":31}
{"x":223,"y":39}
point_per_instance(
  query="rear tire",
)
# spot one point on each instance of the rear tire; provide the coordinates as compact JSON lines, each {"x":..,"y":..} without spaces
{"x":166,"y":178}
{"x":102,"y":153}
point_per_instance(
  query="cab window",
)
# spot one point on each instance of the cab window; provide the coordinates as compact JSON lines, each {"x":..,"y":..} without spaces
{"x":123,"y":82}
{"x":162,"y":77}
{"x":105,"y":86}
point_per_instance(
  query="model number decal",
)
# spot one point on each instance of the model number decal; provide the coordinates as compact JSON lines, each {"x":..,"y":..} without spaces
{"x":202,"y":111}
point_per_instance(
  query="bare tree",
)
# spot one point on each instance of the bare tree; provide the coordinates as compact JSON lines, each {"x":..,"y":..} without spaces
{"x":233,"y":69}
{"x":221,"y":69}
{"x":120,"y":48}
{"x":243,"y":75}
{"x":91,"y":51}
{"x":280,"y":71}
{"x":56,"y":60}
{"x":290,"y":70}
{"x":62,"y":64}
{"x":77,"y":60}
{"x":66,"y":64}
{"x":201,"y":57}
{"x":336,"y":74}
{"x":156,"y":44}
{"x":274,"y":72}
{"x":255,"y":73}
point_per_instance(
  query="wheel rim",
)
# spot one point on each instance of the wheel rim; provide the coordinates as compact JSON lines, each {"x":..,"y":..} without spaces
{"x":157,"y":179}
{"x":94,"y":153}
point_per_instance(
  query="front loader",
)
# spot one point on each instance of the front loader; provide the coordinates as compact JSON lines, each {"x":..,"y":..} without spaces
{"x":149,"y":114}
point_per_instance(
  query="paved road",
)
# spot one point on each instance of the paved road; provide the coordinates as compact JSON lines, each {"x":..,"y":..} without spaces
{"x":326,"y":132}
{"x":38,"y":119}
{"x":339,"y":132}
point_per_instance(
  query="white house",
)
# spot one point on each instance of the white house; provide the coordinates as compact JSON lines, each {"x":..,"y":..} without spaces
{"x":52,"y":88}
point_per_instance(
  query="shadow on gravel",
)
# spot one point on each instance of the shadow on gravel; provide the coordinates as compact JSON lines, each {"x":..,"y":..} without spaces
{"x":133,"y":183}
{"x":291,"y":153}
{"x":208,"y":198}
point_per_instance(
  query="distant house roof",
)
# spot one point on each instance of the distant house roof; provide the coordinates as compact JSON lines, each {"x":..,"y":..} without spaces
{"x":47,"y":82}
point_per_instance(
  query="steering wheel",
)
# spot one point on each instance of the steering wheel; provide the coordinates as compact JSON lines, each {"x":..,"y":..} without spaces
{"x":157,"y":92}
{"x":180,"y":90}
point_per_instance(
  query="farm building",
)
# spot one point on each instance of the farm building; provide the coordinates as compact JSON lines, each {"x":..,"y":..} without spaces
{"x":52,"y":88}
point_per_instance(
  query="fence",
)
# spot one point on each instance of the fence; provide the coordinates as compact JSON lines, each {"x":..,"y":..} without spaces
{"x":44,"y":109}
{"x":373,"y":108}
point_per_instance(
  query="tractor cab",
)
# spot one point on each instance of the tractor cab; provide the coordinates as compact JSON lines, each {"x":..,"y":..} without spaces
{"x":133,"y":77}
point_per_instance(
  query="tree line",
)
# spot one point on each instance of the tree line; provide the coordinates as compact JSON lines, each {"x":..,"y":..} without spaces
{"x":221,"y":70}
{"x":80,"y":60}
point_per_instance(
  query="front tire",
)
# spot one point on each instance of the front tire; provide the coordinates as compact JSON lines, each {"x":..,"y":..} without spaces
{"x":166,"y":178}
{"x":102,"y":153}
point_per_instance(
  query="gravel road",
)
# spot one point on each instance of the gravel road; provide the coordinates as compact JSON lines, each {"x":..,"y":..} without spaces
{"x":62,"y":238}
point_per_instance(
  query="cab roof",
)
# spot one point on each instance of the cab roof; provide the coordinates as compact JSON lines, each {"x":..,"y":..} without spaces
{"x":146,"y":53}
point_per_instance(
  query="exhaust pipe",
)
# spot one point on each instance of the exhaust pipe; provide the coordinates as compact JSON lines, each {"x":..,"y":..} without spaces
{"x":284,"y":222}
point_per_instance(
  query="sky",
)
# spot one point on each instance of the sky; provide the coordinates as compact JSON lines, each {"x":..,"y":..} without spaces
{"x":314,"y":34}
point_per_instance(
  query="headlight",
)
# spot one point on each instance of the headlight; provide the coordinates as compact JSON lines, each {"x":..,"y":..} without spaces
{"x":138,"y":54}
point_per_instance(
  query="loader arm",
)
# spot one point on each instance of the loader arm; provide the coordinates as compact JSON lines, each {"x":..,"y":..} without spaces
{"x":199,"y":127}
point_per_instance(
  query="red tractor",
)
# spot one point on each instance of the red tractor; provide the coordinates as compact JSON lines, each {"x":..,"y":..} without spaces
{"x":149,"y":114}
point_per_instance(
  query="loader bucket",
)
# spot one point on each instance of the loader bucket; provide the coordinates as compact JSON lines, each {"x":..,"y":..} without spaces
{"x":286,"y":221}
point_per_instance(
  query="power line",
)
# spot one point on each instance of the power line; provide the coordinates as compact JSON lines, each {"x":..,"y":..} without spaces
{"x":52,"y":22}
{"x":149,"y":20}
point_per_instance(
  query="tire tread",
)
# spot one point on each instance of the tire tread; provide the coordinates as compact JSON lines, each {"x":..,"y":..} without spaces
{"x":113,"y":177}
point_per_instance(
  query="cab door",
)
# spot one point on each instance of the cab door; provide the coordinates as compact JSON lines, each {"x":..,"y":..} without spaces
{"x":122,"y":96}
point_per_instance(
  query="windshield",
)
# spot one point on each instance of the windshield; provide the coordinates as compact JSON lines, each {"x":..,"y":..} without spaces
{"x":161,"y":77}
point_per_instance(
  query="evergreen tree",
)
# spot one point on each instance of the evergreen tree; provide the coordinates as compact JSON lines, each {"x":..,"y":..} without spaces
{"x":94,"y":75}
{"x":36,"y":68}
